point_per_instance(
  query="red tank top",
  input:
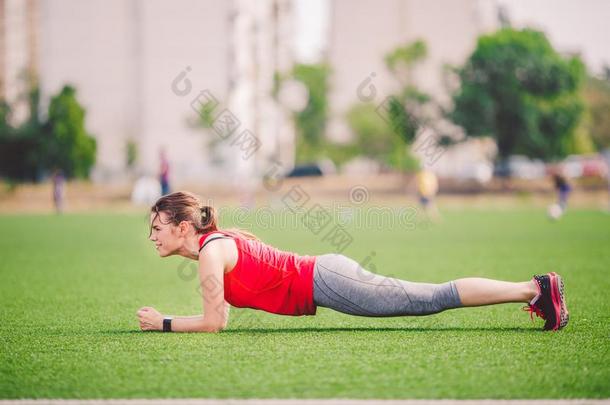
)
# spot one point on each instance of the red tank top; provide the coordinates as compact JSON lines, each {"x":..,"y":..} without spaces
{"x":269,"y":279}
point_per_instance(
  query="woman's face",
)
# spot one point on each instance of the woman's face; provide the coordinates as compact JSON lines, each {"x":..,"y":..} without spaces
{"x":164,"y":234}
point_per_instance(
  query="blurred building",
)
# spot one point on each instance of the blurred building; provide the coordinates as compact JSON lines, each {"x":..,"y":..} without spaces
{"x":18,"y":53}
{"x":140,"y":68}
{"x":260,"y":50}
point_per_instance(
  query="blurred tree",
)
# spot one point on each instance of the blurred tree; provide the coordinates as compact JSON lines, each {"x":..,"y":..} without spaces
{"x":581,"y":141}
{"x":206,"y":115}
{"x":36,"y":147}
{"x":403,"y":109}
{"x":67,"y":144}
{"x":375,"y":139}
{"x":311,"y":122}
{"x":5,"y":117}
{"x":402,"y":59}
{"x":131,"y":151}
{"x":32,"y":131}
{"x":20,"y":148}
{"x":518,"y":89}
{"x":597,"y":97}
{"x":385,"y":133}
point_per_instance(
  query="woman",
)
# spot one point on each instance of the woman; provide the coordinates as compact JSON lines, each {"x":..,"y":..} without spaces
{"x":236,"y":268}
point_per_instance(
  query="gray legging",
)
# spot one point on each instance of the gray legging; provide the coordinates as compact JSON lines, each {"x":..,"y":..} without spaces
{"x":340,"y":283}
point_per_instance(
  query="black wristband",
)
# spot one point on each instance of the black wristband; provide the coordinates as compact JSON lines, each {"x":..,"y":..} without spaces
{"x":167,"y":324}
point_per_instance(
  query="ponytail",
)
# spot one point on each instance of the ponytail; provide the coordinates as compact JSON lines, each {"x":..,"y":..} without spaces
{"x":185,"y":206}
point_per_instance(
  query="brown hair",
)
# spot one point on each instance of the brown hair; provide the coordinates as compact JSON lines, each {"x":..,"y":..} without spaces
{"x":185,"y":206}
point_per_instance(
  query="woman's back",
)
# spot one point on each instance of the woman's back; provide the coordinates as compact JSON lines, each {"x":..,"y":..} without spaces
{"x":268,"y":278}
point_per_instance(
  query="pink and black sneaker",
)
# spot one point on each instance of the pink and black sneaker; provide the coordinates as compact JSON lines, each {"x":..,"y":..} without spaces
{"x":549,"y":304}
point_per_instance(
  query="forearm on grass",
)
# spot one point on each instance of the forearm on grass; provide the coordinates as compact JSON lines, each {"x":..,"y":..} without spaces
{"x":196,"y":323}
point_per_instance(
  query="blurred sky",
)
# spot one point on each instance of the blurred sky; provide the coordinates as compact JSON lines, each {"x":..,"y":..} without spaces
{"x":572,"y":26}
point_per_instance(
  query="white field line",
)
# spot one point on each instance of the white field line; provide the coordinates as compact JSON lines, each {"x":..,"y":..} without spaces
{"x":302,"y":402}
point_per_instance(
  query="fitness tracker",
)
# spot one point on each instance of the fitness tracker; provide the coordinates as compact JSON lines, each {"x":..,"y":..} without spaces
{"x":167,"y":324}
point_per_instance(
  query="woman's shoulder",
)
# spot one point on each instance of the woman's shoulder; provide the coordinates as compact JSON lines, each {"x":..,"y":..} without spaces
{"x":221,"y":245}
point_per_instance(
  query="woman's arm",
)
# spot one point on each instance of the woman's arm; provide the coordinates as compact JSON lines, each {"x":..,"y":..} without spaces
{"x":215,"y":308}
{"x":151,"y":319}
{"x":199,"y":323}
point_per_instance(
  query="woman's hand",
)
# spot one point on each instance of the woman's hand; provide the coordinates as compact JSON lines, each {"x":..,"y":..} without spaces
{"x":150,"y":319}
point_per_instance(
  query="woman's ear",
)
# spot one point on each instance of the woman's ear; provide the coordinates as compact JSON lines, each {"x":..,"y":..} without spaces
{"x":184,"y":227}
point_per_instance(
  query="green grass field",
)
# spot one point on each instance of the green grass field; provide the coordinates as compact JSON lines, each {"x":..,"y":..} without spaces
{"x":71,"y":286}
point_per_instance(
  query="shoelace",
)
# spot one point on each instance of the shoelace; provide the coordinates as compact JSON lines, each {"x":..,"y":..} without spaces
{"x":533,"y":309}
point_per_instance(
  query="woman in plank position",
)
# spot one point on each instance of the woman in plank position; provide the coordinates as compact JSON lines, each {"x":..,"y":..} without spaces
{"x":235,"y":268}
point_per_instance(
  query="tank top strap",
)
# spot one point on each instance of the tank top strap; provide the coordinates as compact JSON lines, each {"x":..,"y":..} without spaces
{"x":213,"y":235}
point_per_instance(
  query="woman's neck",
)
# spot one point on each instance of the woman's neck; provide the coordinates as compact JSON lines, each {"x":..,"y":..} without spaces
{"x":190,"y":248}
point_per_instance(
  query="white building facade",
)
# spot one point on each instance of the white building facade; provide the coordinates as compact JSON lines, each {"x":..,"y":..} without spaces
{"x":141,"y":69}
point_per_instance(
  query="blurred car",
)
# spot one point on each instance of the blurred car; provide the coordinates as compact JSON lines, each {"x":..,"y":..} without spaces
{"x":521,"y":167}
{"x":585,"y":166}
{"x":305,"y":170}
{"x":320,"y":168}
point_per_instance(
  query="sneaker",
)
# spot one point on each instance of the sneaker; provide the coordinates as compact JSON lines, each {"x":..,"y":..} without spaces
{"x":549,"y":304}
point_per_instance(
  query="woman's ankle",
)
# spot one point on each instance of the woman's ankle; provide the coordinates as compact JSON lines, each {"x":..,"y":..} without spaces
{"x":531,"y":290}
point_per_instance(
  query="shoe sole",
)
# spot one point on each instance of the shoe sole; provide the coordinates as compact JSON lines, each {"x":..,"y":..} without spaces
{"x":559,"y":303}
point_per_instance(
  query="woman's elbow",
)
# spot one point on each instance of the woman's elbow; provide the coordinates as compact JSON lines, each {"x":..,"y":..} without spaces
{"x":213,"y":327}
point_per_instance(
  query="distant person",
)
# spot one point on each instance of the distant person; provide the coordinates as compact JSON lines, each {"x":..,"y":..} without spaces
{"x":236,"y":268}
{"x":59,"y":181}
{"x":427,"y":188}
{"x":563,"y":189}
{"x":164,"y":173}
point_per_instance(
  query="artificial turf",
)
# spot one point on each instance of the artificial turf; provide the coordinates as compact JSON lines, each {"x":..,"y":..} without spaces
{"x":71,"y":285}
